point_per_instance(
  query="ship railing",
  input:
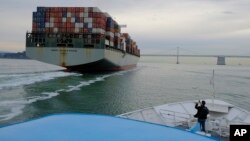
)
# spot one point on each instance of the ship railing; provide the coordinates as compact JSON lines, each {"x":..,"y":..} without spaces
{"x":169,"y":118}
{"x":221,"y":126}
{"x":140,"y":112}
{"x":174,"y":118}
{"x":218,"y":126}
{"x":186,"y":121}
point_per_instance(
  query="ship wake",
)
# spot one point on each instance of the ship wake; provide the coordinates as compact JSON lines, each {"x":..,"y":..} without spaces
{"x":13,"y":108}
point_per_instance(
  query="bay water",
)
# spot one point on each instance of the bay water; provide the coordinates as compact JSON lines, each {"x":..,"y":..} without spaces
{"x":27,"y":93}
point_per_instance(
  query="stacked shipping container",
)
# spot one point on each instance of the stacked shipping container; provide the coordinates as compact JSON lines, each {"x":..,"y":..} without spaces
{"x":69,"y":19}
{"x":82,"y":20}
{"x":131,"y":46}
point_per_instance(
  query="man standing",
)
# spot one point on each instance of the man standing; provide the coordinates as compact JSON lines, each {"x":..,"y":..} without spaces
{"x":202,"y":114}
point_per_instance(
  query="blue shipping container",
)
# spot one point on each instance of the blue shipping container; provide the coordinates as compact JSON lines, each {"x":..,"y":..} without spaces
{"x":41,"y":9}
{"x":34,"y":14}
{"x":77,"y":19}
{"x":40,"y":14}
{"x":65,"y":14}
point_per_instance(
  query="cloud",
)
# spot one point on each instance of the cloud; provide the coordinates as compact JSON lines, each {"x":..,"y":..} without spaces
{"x":227,"y":12}
{"x":208,"y":24}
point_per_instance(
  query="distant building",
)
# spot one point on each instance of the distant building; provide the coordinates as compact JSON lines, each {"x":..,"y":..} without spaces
{"x":221,"y":60}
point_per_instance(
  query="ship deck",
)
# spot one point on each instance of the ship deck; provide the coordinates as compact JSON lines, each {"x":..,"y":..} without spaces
{"x":180,"y":114}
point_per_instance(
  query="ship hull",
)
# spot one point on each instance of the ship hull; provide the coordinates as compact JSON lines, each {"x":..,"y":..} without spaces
{"x":102,"y":65}
{"x":84,"y":59}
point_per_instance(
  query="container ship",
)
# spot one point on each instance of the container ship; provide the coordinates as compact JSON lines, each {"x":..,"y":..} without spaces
{"x":80,"y":39}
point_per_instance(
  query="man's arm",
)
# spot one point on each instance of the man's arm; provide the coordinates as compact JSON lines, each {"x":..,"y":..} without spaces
{"x":196,"y":106}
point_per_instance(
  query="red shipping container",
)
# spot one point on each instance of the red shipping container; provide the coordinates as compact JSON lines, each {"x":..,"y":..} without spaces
{"x":77,"y":9}
{"x":64,"y":9}
{"x":52,"y":14}
{"x":94,"y":25}
{"x":81,"y":20}
{"x":68,"y":19}
{"x":90,"y":14}
{"x":90,"y":9}
{"x":110,"y":30}
{"x":77,"y":14}
{"x":57,"y":9}
{"x":94,"y":20}
{"x":47,"y":19}
{"x":47,"y":15}
{"x":85,"y":30}
{"x":68,"y":24}
{"x":34,"y":25}
{"x":81,"y":9}
{"x":63,"y":30}
{"x":72,"y":30}
{"x":58,"y":14}
{"x":64,"y":25}
{"x":48,"y":9}
{"x":68,"y":9}
{"x":56,"y":24}
{"x":71,"y":9}
{"x":56,"y":20}
{"x":52,"y":9}
{"x":95,"y":15}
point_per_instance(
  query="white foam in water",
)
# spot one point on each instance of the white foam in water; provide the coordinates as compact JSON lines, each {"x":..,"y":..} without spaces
{"x":15,"y":107}
{"x":45,"y":95}
{"x":25,"y":79}
{"x":86,"y":83}
{"x":18,"y":105}
{"x":100,"y":78}
{"x":14,"y":80}
{"x":15,"y":111}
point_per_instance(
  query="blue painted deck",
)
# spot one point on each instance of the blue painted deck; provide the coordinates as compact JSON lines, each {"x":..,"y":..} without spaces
{"x":80,"y":127}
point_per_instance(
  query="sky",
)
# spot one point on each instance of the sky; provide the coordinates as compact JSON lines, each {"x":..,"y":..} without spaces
{"x":198,"y":27}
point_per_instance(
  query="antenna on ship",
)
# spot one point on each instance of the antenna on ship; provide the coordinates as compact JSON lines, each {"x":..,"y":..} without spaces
{"x":177,"y":62}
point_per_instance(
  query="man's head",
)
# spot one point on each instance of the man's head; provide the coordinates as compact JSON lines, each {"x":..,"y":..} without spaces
{"x":203,"y":102}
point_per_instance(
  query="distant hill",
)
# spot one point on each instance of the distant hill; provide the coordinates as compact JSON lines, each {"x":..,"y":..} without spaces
{"x":1,"y":52}
{"x":18,"y":55}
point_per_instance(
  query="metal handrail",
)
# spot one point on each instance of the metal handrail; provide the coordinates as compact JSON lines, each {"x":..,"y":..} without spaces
{"x":129,"y":113}
{"x":175,"y":116}
{"x":221,"y":130}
